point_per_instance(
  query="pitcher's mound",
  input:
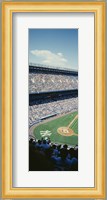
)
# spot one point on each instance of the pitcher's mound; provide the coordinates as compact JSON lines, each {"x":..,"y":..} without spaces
{"x":65,"y":131}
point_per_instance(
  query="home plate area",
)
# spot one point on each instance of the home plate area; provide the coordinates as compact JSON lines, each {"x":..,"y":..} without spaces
{"x":65,"y":131}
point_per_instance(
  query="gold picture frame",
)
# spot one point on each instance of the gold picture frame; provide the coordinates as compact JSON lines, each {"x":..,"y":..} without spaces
{"x":8,"y":8}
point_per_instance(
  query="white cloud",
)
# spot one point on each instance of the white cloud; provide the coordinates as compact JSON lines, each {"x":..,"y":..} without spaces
{"x":50,"y":58}
{"x":60,"y":54}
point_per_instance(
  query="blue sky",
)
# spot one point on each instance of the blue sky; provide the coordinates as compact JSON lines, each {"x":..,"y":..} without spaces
{"x":56,"y":47}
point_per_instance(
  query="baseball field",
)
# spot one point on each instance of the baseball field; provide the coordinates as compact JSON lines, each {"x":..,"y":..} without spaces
{"x":61,"y":130}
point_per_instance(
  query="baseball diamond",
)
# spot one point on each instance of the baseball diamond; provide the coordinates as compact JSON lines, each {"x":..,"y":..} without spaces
{"x":62,"y":129}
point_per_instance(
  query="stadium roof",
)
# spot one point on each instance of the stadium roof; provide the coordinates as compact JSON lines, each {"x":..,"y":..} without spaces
{"x":51,"y":67}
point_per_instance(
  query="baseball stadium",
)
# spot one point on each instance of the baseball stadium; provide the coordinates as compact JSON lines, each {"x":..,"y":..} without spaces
{"x":53,"y":118}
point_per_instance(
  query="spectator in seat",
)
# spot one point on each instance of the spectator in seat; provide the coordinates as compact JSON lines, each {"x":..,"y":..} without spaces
{"x":45,"y":145}
{"x":38,"y":144}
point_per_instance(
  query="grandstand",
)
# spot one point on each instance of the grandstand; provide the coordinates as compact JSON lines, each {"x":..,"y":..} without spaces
{"x":51,"y":90}
{"x":39,"y":111}
{"x":42,"y":79}
{"x":53,"y":118}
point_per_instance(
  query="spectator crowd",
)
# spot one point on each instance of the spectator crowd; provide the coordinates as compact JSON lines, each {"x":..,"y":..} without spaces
{"x":47,"y":156}
{"x":40,"y":82}
{"x":38,"y":111}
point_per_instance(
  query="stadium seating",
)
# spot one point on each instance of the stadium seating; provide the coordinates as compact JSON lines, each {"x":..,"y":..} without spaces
{"x":39,"y":111}
{"x":49,"y":82}
{"x":45,"y":79}
{"x":46,"y":156}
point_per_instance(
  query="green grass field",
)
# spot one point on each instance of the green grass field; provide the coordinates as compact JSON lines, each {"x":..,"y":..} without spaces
{"x":49,"y":129}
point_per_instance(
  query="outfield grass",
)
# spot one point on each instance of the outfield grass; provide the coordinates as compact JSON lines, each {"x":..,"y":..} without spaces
{"x":55,"y":124}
